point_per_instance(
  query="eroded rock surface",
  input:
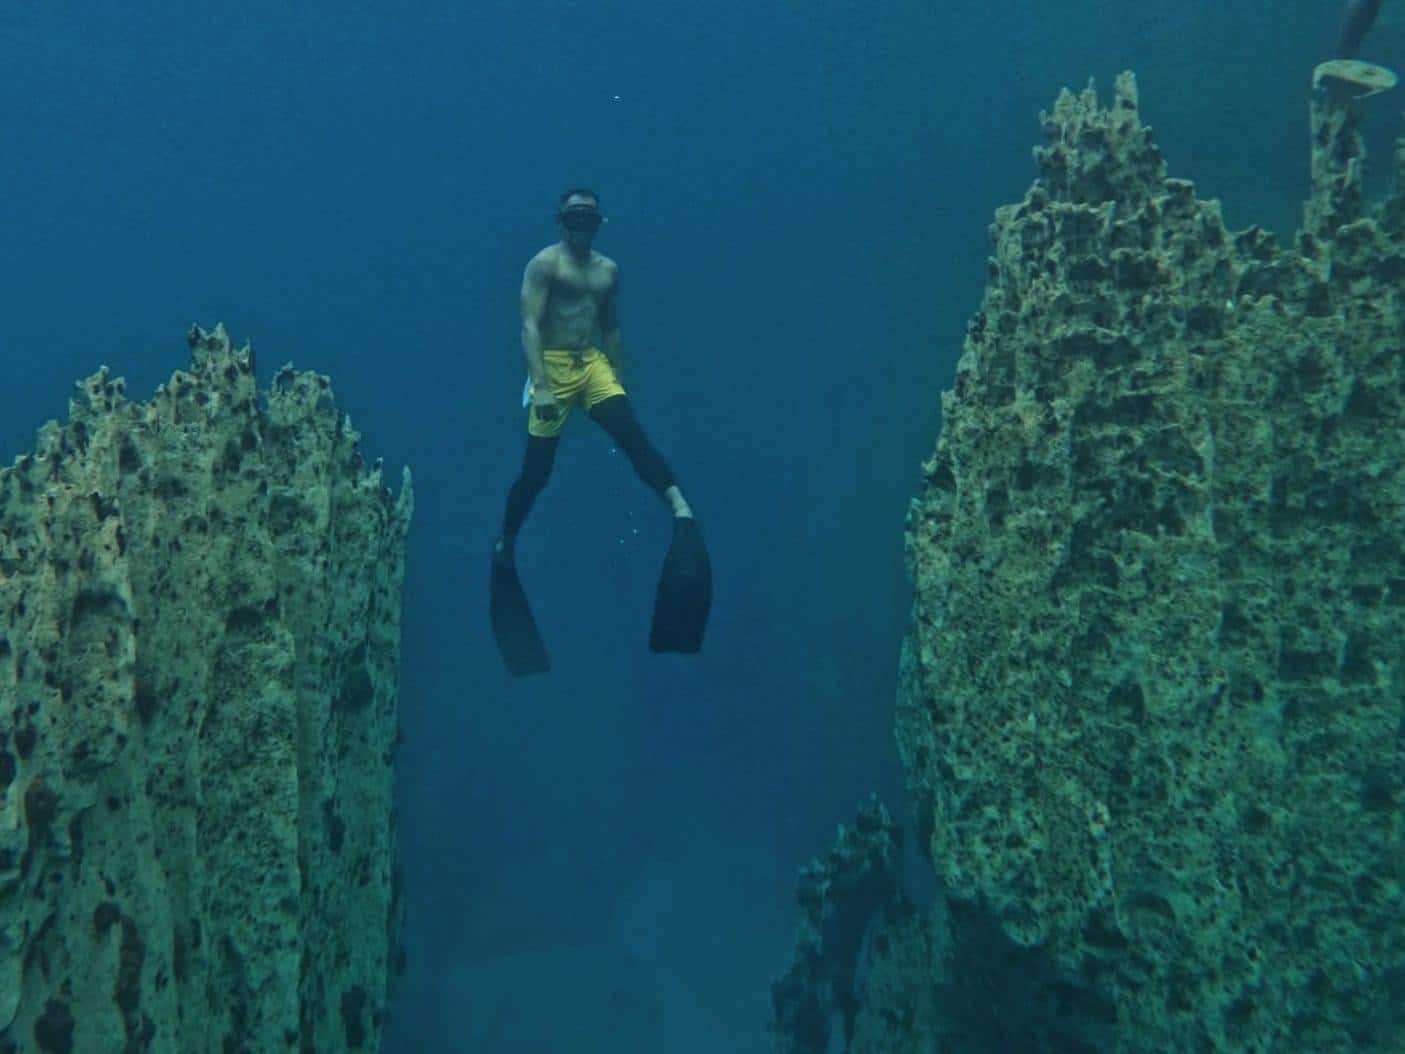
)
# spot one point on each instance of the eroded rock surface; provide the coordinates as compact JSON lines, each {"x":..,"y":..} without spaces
{"x":848,"y":899}
{"x":1153,"y":696}
{"x":199,"y":655}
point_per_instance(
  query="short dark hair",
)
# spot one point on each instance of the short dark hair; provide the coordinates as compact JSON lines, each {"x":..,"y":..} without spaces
{"x":584,"y":192}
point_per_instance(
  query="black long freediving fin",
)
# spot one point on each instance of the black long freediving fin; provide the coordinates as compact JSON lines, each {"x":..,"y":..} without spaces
{"x":684,"y":596}
{"x":514,"y":628}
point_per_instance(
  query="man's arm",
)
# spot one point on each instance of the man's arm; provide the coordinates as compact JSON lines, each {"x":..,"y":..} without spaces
{"x":610,"y":324}
{"x":536,"y":285}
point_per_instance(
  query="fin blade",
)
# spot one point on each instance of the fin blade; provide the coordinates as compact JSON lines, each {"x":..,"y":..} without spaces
{"x":515,"y":630}
{"x":684,"y":596}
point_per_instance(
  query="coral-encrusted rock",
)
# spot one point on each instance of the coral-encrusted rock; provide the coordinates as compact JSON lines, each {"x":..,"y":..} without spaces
{"x":1153,"y":694}
{"x":199,"y":652}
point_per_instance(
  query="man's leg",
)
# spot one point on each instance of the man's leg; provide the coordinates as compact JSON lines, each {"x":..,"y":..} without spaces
{"x":616,"y":416}
{"x":536,"y":470}
{"x":1356,"y":20}
{"x":684,"y":595}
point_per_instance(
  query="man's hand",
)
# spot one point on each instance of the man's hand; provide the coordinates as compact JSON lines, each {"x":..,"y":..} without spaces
{"x":544,"y":403}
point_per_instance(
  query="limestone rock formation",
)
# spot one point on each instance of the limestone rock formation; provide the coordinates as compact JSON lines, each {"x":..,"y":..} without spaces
{"x":846,"y":899}
{"x":1153,"y":695}
{"x":199,"y":652}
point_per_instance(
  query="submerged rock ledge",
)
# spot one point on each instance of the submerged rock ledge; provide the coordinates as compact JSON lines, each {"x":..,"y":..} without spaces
{"x":199,"y":660}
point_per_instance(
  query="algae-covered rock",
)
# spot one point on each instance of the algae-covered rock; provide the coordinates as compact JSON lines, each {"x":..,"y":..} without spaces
{"x":1152,"y":705}
{"x":199,"y":652}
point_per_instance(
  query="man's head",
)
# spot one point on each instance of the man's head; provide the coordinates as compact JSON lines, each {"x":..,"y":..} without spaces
{"x":579,"y":214}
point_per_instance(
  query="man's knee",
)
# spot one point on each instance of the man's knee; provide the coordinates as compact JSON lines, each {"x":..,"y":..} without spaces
{"x":533,"y":480}
{"x":616,"y":416}
{"x":536,"y":466}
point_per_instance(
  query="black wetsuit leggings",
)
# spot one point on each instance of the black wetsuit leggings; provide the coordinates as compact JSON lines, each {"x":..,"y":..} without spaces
{"x":616,"y":416}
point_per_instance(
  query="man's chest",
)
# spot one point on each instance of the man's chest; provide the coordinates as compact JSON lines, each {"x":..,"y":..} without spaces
{"x":574,"y":282}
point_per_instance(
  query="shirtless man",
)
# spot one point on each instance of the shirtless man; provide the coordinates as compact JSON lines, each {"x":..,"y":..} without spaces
{"x":568,"y":292}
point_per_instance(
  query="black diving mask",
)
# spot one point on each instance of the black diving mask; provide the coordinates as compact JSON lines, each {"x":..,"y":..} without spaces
{"x":581,"y":219}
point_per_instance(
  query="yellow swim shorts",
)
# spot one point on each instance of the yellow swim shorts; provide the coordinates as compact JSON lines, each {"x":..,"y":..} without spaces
{"x":575,"y":376}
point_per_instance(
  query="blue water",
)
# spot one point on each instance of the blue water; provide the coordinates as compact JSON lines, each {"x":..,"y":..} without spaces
{"x":798,"y":196}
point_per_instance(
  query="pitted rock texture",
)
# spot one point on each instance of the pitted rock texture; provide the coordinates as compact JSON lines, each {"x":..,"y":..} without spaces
{"x":1153,"y":695}
{"x":199,"y":656}
{"x":847,"y":900}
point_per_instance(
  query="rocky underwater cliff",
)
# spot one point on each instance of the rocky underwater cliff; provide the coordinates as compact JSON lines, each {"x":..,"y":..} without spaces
{"x":199,"y":659}
{"x":1152,"y":700}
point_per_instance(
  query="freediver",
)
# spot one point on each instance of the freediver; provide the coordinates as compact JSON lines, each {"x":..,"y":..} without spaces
{"x":569,"y":293}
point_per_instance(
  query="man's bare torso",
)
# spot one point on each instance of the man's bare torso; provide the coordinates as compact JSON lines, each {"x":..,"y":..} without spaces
{"x":579,"y":292}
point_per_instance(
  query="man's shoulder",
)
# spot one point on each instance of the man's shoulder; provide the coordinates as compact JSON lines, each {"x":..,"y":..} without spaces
{"x":547,"y":262}
{"x":546,"y":257}
{"x":603,"y":264}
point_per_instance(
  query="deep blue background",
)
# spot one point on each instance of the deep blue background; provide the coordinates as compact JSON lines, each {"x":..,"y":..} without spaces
{"x":798,"y":197}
